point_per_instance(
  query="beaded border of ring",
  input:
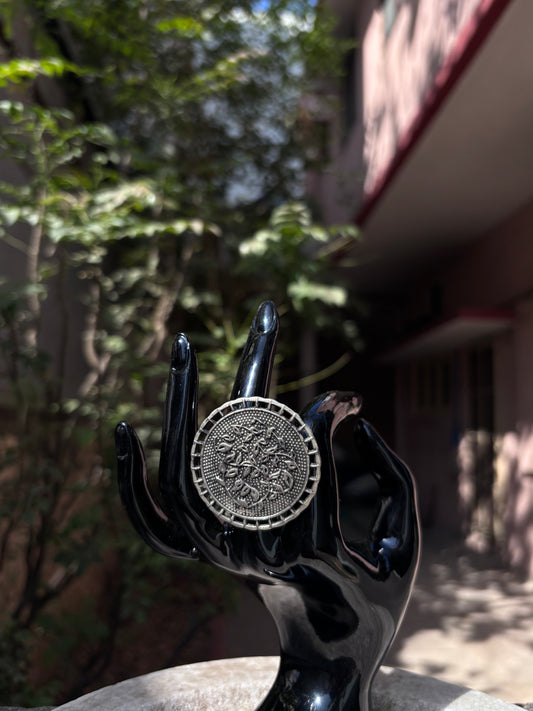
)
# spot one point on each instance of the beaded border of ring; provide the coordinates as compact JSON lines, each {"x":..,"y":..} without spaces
{"x":293,"y":509}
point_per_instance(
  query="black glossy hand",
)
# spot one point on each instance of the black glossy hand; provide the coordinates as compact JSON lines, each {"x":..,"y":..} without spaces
{"x":186,"y":517}
{"x":152,"y":523}
{"x":336,"y":603}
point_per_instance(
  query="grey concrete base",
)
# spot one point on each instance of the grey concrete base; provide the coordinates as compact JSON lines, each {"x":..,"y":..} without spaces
{"x":231,"y":684}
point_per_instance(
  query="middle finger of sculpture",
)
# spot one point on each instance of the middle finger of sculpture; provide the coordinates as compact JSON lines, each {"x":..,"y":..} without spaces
{"x":254,"y":491}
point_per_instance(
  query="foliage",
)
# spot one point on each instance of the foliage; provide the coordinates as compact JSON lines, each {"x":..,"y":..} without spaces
{"x":145,"y":146}
{"x":295,"y":257}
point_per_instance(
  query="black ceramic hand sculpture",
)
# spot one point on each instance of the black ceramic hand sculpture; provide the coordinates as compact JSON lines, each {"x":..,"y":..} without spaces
{"x":336,"y":603}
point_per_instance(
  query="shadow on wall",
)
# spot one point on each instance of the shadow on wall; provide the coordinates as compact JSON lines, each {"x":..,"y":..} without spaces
{"x":514,"y":494}
{"x":495,"y":487}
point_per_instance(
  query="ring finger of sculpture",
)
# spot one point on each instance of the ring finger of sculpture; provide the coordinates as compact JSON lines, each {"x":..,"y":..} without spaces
{"x":255,"y":463}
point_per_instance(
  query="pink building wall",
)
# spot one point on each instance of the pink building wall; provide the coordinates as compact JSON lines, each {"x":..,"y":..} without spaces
{"x":493,"y":272}
{"x":401,"y":70}
{"x":394,"y":71}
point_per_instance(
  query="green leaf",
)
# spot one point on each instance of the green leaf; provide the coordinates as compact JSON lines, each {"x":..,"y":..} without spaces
{"x":186,"y":26}
{"x":115,"y":344}
{"x":303,"y":290}
{"x":18,"y":70}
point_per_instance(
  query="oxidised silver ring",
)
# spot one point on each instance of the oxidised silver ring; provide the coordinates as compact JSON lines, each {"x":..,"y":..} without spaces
{"x":255,"y":463}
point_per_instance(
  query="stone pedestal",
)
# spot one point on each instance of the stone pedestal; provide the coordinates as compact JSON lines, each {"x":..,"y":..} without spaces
{"x":231,"y":684}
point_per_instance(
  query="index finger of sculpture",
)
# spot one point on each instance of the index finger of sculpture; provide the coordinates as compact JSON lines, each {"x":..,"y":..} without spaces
{"x":255,"y":368}
{"x":148,"y":518}
{"x":392,"y":475}
{"x":323,"y":415}
{"x":395,"y":533}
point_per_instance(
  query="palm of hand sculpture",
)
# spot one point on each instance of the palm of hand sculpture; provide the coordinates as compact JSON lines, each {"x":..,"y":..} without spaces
{"x":336,"y":603}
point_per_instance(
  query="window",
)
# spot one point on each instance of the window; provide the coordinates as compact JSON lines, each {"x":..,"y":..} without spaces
{"x":348,"y":93}
{"x":431,"y":386}
{"x":351,"y":92}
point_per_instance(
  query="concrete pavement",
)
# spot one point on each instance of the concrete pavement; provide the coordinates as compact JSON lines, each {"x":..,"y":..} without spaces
{"x":470,"y":622}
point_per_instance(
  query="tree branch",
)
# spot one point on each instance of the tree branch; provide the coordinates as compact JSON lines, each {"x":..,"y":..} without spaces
{"x":152,"y":343}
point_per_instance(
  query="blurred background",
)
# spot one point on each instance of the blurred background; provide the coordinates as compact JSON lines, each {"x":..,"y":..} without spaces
{"x":166,"y":165}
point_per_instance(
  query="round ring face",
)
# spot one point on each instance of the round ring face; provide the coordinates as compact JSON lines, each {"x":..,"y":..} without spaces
{"x":255,"y":463}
